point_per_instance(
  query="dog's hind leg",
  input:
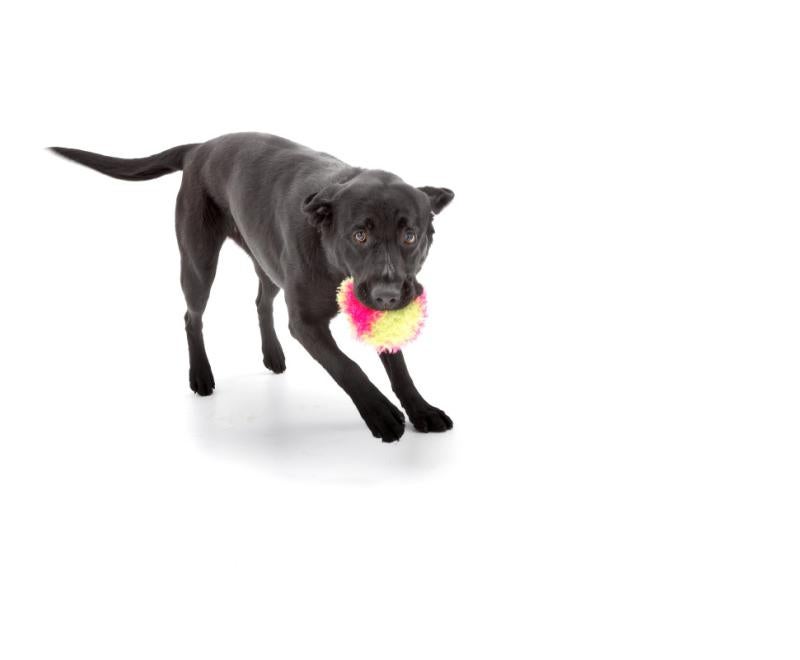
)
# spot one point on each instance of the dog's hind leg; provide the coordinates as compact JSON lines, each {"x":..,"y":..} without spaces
{"x":271,"y":349}
{"x":201,"y":233}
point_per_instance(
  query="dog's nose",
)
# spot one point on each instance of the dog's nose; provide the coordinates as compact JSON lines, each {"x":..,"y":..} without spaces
{"x":386,"y":295}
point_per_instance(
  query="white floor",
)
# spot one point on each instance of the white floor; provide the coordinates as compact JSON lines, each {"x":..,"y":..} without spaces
{"x":576,"y":505}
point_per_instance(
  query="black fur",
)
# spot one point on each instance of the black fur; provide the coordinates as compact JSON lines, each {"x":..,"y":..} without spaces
{"x":307,"y":220}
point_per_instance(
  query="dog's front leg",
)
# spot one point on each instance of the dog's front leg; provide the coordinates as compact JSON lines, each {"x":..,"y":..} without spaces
{"x":422,"y":414}
{"x":383,"y":418}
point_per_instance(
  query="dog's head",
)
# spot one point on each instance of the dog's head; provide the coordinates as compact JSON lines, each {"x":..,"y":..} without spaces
{"x":377,"y":229}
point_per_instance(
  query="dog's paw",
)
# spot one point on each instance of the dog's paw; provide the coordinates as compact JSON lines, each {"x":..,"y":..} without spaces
{"x":383,"y":418}
{"x":429,"y":419}
{"x":274,"y":359}
{"x":201,"y":380}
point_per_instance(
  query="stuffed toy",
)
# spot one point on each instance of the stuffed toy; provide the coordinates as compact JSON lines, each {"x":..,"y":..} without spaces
{"x":386,"y":330}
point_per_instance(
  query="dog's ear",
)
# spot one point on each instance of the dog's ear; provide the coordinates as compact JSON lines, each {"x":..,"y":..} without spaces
{"x":318,"y":206}
{"x":439,"y":197}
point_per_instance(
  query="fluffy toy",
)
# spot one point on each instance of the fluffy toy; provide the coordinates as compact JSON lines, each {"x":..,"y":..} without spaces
{"x":387,"y":330}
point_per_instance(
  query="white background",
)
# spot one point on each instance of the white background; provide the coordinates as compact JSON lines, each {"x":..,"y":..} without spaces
{"x":614,"y":330}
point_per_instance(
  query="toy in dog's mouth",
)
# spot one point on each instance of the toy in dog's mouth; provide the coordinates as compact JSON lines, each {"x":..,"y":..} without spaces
{"x":386,"y":330}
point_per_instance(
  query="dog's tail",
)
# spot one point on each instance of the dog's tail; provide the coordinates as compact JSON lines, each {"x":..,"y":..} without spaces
{"x":130,"y":169}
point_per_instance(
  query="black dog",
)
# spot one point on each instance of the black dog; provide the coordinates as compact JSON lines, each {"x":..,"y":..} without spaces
{"x":307,"y":220}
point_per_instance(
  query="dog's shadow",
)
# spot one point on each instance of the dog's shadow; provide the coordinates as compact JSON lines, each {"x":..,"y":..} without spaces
{"x":266,"y":419}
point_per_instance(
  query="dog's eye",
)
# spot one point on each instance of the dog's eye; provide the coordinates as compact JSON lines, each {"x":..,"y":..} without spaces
{"x":409,"y":237}
{"x":360,"y":236}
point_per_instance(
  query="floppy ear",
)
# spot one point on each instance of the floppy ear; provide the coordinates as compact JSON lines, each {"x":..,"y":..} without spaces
{"x":440,"y":197}
{"x":318,"y":206}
